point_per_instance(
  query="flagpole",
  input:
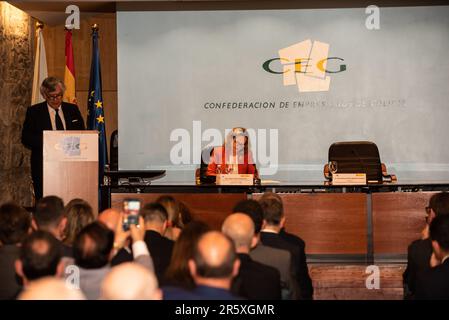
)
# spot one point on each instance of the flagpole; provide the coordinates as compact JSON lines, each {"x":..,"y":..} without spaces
{"x":40,"y":64}
{"x":96,"y":120}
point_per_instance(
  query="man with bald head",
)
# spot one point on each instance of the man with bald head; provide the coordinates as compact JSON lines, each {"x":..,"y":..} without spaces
{"x":50,"y":288}
{"x":110,"y":218}
{"x":130,"y":281}
{"x":213,"y":267}
{"x":255,"y":280}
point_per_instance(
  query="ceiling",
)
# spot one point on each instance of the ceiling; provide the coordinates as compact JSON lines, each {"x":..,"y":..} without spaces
{"x":53,"y":12}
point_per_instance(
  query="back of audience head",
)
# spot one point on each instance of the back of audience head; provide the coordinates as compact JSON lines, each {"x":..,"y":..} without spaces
{"x":79,"y":214}
{"x":130,"y":281}
{"x":155,"y":217}
{"x":15,"y":224}
{"x":40,"y":256}
{"x":439,"y":204}
{"x":110,"y":217}
{"x":50,"y":288}
{"x":270,"y":195}
{"x":92,"y":248}
{"x":178,"y":272}
{"x":240,"y":229}
{"x":254,"y":210}
{"x":273,"y":211}
{"x":172,"y":207}
{"x":214,"y":261}
{"x":439,"y":234}
{"x":49,"y":216}
{"x":184,"y":214}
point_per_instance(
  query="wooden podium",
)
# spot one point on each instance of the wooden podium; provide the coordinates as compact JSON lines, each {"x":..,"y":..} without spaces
{"x":71,"y":165}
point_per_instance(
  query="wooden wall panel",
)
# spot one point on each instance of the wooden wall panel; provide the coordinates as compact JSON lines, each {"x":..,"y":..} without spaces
{"x":398,"y":219}
{"x":212,"y":208}
{"x":328,"y":223}
{"x":347,"y":282}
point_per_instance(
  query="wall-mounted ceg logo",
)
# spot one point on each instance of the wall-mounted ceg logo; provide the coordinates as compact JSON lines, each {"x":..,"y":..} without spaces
{"x":306,"y":65}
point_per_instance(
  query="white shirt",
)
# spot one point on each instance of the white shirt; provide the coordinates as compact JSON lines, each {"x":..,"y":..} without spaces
{"x":444,"y":259}
{"x":270,"y":231}
{"x":52,"y":113}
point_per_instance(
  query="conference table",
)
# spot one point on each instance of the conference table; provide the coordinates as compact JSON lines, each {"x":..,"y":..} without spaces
{"x":346,"y":228}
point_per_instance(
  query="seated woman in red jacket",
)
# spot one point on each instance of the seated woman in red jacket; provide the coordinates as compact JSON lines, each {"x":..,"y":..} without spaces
{"x":234,"y":156}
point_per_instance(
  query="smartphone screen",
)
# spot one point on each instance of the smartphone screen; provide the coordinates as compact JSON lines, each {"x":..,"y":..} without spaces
{"x":131,"y":208}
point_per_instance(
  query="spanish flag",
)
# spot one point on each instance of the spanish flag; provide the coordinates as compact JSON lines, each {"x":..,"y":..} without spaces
{"x":69,"y":74}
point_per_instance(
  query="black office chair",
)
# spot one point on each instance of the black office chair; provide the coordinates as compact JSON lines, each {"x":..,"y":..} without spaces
{"x":357,"y":157}
{"x":201,"y":173}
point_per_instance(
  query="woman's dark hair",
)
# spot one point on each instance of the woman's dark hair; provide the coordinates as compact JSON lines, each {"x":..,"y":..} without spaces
{"x":178,"y":273}
{"x":93,"y":245}
{"x":15,"y":222}
{"x":40,"y":255}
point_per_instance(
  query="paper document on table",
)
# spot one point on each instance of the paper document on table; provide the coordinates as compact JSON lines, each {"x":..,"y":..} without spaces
{"x":270,"y":182}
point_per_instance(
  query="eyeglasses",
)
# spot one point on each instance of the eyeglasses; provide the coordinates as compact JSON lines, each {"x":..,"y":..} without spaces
{"x":54,"y":96}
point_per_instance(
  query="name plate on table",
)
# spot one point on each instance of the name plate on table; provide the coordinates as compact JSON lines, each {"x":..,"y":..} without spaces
{"x":235,"y":179}
{"x":342,"y":179}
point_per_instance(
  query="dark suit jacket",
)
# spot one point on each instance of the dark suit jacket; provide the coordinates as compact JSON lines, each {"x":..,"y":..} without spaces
{"x":10,"y":283}
{"x":303,"y":269}
{"x":256,"y":281}
{"x":160,"y":249}
{"x":37,"y":120}
{"x":418,"y":261}
{"x":297,"y":251}
{"x":433,"y":284}
{"x":280,"y":260}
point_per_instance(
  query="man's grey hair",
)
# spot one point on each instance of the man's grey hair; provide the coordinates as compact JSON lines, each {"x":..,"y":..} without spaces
{"x":50,"y":84}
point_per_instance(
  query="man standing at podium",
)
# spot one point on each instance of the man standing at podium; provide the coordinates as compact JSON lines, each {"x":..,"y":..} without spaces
{"x":53,"y":114}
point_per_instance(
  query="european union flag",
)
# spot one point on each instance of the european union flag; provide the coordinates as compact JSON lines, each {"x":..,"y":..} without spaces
{"x":95,"y":111}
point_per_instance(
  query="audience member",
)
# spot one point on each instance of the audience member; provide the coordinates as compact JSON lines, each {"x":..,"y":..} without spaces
{"x":254,"y":280}
{"x":213,"y":267}
{"x":79,"y":214}
{"x":110,"y":218}
{"x":272,"y":235}
{"x":434,"y":283}
{"x":49,"y":216}
{"x":40,"y":256}
{"x":161,"y":248}
{"x":178,"y":273}
{"x":419,"y":255}
{"x":51,"y":288}
{"x":170,"y":204}
{"x":94,"y":248}
{"x":184,"y":214}
{"x":276,"y":258}
{"x":130,"y":281}
{"x":15,"y":224}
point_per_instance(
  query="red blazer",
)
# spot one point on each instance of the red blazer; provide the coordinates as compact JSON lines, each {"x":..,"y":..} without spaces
{"x":219,"y":153}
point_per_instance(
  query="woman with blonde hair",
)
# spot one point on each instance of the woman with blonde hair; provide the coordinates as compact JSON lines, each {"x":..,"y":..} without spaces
{"x":234,"y":156}
{"x":79,"y":214}
{"x":171,"y":205}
